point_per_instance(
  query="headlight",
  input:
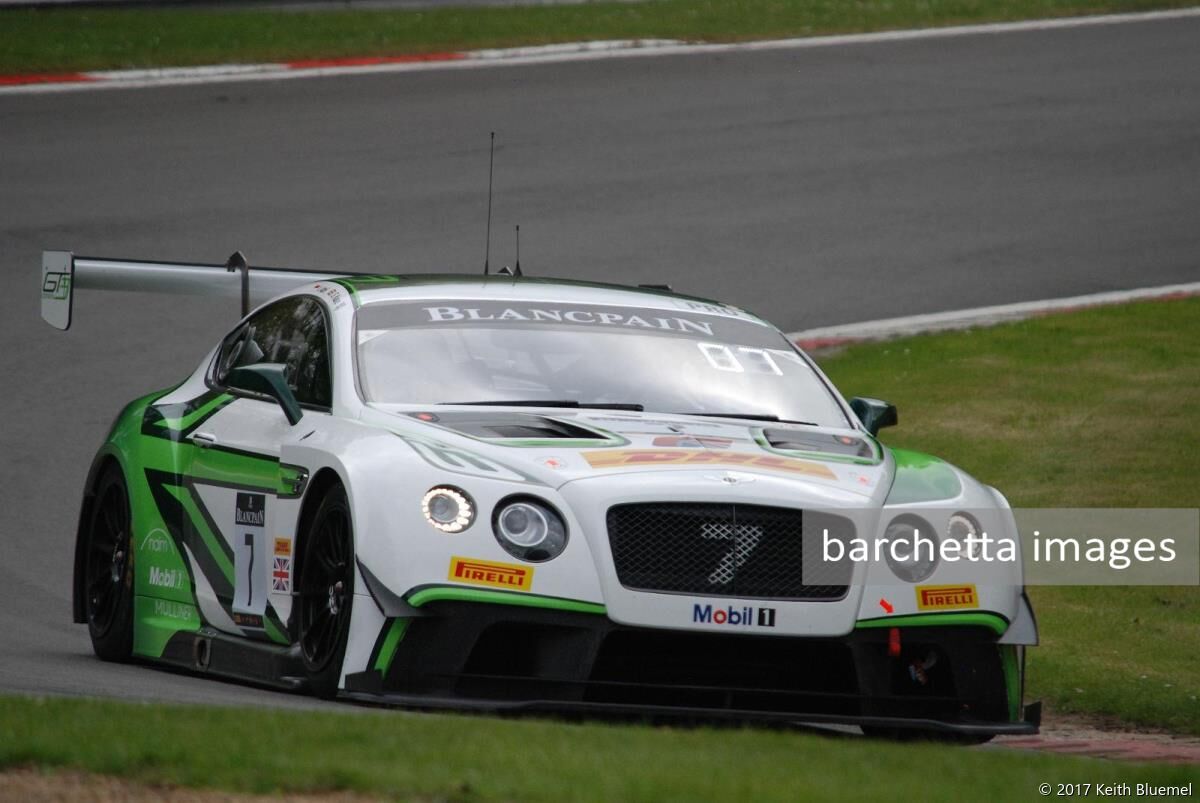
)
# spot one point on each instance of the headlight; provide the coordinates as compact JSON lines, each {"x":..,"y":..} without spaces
{"x":448,"y":509}
{"x":961,"y":527}
{"x":912,"y":548}
{"x":529,"y":529}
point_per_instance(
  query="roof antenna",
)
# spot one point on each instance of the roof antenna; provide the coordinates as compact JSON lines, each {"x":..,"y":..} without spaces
{"x":513,"y":272}
{"x":487,"y":249}
{"x":235,"y":263}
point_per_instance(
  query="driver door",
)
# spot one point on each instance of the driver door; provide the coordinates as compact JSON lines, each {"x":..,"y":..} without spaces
{"x":235,"y":471}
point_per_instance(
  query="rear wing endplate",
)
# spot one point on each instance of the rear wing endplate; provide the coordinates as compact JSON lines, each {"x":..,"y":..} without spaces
{"x":63,"y":273}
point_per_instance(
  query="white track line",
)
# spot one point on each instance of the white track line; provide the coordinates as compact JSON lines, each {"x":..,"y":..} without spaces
{"x":552,"y":54}
{"x":980,"y":316}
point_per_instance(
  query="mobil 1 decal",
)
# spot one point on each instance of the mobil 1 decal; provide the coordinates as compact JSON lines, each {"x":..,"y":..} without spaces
{"x":251,"y":557}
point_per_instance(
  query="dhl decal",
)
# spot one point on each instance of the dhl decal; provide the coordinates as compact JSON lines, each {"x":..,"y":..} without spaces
{"x":283,"y":547}
{"x":693,"y":441}
{"x":947,"y":598}
{"x":621,"y":458}
{"x":488,"y":573}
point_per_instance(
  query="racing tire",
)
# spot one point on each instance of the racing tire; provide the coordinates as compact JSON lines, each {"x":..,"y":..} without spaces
{"x":326,"y":592}
{"x":108,"y":569}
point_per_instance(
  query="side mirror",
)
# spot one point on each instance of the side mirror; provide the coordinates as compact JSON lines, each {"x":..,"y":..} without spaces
{"x":875,"y":414}
{"x":267,"y":378}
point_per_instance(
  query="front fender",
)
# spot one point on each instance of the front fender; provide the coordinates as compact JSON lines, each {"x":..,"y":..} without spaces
{"x":933,"y":489}
{"x":118,"y":447}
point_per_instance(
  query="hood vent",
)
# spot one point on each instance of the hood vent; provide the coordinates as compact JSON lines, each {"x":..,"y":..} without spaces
{"x":510,"y":426}
{"x":797,"y":440}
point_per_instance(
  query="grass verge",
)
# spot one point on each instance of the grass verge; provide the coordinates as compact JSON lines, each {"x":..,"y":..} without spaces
{"x":1090,"y":409}
{"x":57,"y":40}
{"x":432,"y":757}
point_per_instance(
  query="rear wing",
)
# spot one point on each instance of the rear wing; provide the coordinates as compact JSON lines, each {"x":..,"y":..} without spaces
{"x":63,"y":273}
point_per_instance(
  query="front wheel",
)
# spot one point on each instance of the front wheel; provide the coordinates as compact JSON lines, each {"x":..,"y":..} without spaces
{"x":326,"y":592}
{"x":108,"y":569}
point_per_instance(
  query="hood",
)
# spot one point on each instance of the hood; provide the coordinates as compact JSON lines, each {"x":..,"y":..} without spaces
{"x":559,"y":446}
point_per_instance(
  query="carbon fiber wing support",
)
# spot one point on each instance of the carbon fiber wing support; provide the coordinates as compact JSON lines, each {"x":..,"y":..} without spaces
{"x":63,"y":273}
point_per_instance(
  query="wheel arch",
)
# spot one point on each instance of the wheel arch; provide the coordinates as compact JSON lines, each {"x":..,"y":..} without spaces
{"x":326,"y":477}
{"x":104,"y":459}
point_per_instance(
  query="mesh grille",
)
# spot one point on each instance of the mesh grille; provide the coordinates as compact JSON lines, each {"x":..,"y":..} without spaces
{"x":745,"y":551}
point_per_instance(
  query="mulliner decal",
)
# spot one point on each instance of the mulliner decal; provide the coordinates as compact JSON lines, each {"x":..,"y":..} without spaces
{"x":158,"y":620}
{"x":627,"y":458}
{"x":947,"y":598}
{"x":174,"y":610}
{"x":490,"y":573}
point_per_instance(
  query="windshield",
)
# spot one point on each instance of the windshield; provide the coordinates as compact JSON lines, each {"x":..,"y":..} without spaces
{"x":666,"y":361}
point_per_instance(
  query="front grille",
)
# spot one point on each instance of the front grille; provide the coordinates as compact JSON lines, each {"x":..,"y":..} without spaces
{"x":748,"y":551}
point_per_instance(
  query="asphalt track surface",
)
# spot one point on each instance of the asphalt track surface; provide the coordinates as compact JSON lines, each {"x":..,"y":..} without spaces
{"x":815,"y":187}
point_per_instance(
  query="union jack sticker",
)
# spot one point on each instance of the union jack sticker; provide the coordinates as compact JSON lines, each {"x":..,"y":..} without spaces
{"x":281,"y":575}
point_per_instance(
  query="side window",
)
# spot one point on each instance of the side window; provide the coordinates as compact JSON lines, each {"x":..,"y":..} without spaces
{"x":290,"y":332}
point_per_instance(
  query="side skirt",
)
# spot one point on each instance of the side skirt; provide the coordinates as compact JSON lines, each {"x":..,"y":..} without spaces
{"x":211,"y":652}
{"x":618,"y":711}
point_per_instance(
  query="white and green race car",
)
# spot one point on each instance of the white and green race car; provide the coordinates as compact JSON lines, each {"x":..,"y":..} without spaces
{"x":508,"y":493}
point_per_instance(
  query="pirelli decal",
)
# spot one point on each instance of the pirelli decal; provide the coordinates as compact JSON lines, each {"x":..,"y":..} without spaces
{"x":487,"y":573}
{"x":947,"y":598}
{"x":622,"y":458}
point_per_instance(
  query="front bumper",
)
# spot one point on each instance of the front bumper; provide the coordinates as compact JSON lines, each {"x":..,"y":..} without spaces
{"x":489,"y":657}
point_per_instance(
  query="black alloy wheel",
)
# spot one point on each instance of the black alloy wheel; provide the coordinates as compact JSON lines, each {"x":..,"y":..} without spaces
{"x":326,"y":592}
{"x":108,"y":569}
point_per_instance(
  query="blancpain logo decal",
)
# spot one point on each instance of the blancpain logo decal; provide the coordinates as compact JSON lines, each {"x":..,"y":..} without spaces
{"x":251,"y":510}
{"x":166,"y":578}
{"x":255,"y":518}
{"x":587,"y":317}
